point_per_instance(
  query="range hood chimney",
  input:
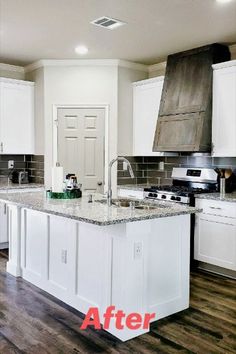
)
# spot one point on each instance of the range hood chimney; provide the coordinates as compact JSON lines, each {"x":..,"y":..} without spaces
{"x":184,"y":121}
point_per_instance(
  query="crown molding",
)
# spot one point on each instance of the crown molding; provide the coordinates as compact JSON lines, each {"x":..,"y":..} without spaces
{"x":15,"y":81}
{"x":86,"y":62}
{"x":100,"y":62}
{"x":225,"y":64}
{"x":132,"y":65}
{"x":148,"y":81}
{"x":157,"y":67}
{"x":8,"y":67}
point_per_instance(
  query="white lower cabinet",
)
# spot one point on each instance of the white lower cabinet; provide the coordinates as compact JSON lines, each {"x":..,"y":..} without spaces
{"x":215,"y":233}
{"x":3,"y":226}
{"x":3,"y":215}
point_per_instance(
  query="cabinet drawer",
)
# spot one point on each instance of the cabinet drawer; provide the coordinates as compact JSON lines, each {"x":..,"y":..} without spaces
{"x":215,"y":207}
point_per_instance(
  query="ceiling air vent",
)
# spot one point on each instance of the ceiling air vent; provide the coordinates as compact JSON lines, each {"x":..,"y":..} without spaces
{"x":107,"y":22}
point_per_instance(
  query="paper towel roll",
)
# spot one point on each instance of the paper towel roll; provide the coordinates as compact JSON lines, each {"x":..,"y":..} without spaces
{"x":57,"y":178}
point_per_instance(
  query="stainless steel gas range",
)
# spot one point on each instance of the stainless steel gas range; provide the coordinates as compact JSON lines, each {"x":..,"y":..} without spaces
{"x":186,"y":183}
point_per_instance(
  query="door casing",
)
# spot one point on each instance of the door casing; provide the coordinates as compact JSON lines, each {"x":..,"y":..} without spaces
{"x":106,"y":133}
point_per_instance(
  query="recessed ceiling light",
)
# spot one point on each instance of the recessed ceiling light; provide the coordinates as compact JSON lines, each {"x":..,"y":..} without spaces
{"x":223,"y":1}
{"x":107,"y":22}
{"x":81,"y":49}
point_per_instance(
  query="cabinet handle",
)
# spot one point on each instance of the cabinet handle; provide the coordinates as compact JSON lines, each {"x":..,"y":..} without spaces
{"x":215,"y":208}
{"x":5,"y":208}
{"x":1,"y":147}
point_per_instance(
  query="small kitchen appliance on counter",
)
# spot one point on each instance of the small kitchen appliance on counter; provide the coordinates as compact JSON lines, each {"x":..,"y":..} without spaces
{"x":20,"y":177}
{"x":71,"y":189}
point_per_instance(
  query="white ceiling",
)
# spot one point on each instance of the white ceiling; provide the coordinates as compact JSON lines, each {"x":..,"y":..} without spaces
{"x":50,"y":29}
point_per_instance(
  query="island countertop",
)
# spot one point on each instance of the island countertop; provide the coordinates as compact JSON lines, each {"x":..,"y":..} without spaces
{"x":95,"y":213}
{"x":4,"y":186}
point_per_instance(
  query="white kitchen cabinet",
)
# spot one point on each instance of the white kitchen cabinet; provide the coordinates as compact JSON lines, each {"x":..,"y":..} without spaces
{"x":3,"y":226}
{"x":16,"y":116}
{"x":146,"y":101}
{"x":215,"y":233}
{"x":224,"y":109}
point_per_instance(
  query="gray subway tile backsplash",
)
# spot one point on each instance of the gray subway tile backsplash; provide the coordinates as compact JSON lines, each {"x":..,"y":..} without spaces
{"x":34,"y":164}
{"x":149,"y":167}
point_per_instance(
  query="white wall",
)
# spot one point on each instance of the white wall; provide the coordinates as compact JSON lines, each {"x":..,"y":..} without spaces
{"x":125,"y":108}
{"x":79,"y":85}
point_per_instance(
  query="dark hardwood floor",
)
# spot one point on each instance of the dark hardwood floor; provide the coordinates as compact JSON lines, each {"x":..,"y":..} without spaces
{"x":31,"y":321}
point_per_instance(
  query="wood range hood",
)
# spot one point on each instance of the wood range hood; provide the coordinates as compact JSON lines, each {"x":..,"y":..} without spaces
{"x":184,"y":120}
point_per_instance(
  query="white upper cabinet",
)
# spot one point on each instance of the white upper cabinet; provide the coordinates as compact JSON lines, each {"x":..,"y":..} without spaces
{"x":224,"y":109}
{"x":16,"y":116}
{"x":146,"y":101}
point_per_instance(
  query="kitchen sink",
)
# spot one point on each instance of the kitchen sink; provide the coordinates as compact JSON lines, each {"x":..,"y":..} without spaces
{"x":133,"y":204}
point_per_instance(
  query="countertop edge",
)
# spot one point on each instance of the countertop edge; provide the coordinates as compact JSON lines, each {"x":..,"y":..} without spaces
{"x":230,"y":197}
{"x":105,"y":223}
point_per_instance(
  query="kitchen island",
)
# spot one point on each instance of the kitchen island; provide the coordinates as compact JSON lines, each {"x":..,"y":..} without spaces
{"x":92,"y":255}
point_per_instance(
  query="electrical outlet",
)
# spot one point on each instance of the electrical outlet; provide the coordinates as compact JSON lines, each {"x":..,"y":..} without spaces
{"x":64,"y":256}
{"x":11,"y":164}
{"x":125,"y":166}
{"x":138,"y":250}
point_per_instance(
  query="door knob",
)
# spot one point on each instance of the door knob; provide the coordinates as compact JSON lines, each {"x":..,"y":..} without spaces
{"x":99,"y":183}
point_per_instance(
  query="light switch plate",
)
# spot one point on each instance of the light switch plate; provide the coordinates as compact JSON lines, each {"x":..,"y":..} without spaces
{"x":64,"y":256}
{"x":138,"y":250}
{"x":11,"y":164}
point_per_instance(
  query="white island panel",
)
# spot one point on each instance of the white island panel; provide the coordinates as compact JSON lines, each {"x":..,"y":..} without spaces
{"x":140,"y":266}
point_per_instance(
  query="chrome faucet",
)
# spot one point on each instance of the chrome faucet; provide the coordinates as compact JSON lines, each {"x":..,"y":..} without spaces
{"x":109,"y":191}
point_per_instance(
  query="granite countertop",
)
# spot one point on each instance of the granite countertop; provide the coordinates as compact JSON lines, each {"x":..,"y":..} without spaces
{"x":95,"y":213}
{"x":229,"y":197}
{"x":4,"y":186}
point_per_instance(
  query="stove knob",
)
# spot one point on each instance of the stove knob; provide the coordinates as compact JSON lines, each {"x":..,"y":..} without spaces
{"x":150,"y":194}
{"x":154,"y":195}
{"x":178,"y":199}
{"x":173,"y":198}
{"x":163,"y":196}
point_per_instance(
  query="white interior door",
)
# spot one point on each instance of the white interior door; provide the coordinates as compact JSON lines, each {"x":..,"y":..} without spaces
{"x":81,"y":134}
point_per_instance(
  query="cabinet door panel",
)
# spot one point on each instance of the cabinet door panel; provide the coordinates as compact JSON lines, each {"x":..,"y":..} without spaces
{"x":3,"y":224}
{"x":146,"y":101}
{"x":62,"y":244}
{"x":224,"y":112}
{"x":215,"y":241}
{"x":34,"y":227}
{"x":168,"y":135}
{"x":184,"y":74}
{"x":16,"y":125}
